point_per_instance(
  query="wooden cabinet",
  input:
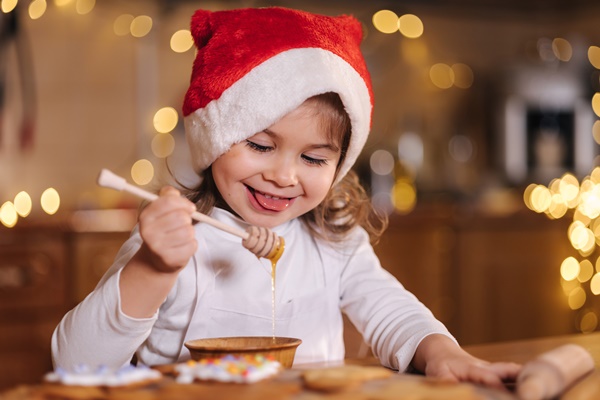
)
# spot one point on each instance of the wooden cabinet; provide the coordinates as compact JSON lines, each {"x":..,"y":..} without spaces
{"x":33,"y":296}
{"x":487,"y":278}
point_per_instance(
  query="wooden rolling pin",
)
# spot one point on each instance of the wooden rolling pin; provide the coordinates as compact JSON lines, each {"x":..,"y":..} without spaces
{"x":551,"y":373}
{"x":259,"y":240}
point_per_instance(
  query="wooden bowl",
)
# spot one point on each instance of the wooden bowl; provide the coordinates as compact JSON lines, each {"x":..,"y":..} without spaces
{"x":282,"y":349}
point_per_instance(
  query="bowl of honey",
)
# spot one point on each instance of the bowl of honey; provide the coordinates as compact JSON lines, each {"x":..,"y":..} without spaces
{"x":282,"y":349}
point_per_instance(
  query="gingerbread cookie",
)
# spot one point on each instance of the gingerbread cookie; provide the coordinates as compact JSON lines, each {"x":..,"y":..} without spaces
{"x":341,"y":378}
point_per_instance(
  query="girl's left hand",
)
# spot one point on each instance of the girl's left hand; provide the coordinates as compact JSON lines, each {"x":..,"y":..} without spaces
{"x":443,"y":359}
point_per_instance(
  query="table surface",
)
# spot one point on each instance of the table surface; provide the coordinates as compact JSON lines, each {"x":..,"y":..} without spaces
{"x":288,"y":385}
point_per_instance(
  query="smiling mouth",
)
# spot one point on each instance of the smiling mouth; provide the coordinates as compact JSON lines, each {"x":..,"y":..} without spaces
{"x":270,"y":202}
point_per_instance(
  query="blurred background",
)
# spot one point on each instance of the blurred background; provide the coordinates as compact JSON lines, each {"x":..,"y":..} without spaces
{"x":483,"y":153}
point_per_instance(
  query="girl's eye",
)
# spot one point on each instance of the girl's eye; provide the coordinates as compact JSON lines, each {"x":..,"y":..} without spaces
{"x":258,"y":147}
{"x":314,"y":161}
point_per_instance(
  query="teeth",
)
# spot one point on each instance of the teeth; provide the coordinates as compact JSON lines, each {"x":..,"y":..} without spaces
{"x":270,"y":197}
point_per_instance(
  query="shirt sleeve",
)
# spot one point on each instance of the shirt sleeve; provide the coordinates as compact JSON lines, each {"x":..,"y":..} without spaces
{"x":96,"y":332}
{"x":389,"y":317}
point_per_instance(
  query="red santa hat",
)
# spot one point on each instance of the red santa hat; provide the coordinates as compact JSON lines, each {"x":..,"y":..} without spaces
{"x":255,"y":65}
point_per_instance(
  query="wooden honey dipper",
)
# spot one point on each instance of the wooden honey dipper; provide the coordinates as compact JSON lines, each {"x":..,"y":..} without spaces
{"x":551,"y":373}
{"x":261,"y":241}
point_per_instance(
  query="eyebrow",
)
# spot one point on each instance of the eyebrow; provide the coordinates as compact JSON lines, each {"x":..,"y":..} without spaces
{"x":327,"y":146}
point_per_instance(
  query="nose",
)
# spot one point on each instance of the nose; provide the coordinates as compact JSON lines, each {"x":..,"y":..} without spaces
{"x":283,"y":171}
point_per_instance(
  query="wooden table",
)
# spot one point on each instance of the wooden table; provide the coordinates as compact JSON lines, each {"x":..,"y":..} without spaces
{"x":525,"y":350}
{"x":288,"y":385}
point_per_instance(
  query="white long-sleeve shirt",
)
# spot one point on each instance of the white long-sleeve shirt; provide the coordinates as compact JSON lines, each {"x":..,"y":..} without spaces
{"x":225,"y":290}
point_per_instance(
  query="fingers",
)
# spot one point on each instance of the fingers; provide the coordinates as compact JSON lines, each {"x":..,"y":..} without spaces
{"x":261,"y":241}
{"x":166,"y":228}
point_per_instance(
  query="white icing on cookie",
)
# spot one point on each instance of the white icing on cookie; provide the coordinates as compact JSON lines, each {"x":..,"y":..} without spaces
{"x":84,"y":375}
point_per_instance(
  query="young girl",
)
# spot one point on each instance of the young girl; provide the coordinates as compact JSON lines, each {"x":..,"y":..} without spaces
{"x":278,"y":109}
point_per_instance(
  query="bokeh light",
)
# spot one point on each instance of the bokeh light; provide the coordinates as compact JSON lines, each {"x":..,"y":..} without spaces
{"x":562,"y":49}
{"x":23,"y":204}
{"x":163,"y":145}
{"x":181,"y":41}
{"x":50,"y":201}
{"x":141,"y":26}
{"x":37,"y":8}
{"x":382,"y":162}
{"x":142,"y":172}
{"x":441,"y":75}
{"x":84,"y":6}
{"x":8,"y":5}
{"x":8,"y":215}
{"x":165,"y":119}
{"x":410,"y":26}
{"x":122,"y":24}
{"x":594,"y":56}
{"x":385,"y":21}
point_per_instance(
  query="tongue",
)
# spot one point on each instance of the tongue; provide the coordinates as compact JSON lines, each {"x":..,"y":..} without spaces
{"x":270,"y":203}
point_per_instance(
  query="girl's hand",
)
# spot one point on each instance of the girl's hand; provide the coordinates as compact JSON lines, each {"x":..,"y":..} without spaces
{"x":167,"y":231}
{"x":439,"y":357}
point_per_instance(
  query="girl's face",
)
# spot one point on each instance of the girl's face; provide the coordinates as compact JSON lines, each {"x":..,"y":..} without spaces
{"x":280,"y":173}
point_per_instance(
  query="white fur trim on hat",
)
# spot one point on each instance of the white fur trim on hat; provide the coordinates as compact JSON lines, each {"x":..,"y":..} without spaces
{"x":270,"y":91}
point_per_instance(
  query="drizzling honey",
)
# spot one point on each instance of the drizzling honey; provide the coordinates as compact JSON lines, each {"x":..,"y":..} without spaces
{"x":274,"y":256}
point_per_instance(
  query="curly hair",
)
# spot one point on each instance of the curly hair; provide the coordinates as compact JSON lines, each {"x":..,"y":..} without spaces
{"x":347,"y":203}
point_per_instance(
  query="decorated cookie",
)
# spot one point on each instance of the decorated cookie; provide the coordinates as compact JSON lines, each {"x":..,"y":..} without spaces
{"x":102,"y":376}
{"x":237,"y":369}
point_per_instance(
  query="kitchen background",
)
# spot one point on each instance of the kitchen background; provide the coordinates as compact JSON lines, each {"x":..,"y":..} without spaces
{"x":483,"y":152}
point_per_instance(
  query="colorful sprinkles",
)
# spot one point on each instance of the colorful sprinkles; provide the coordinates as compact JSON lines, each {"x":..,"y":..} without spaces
{"x":230,"y":368}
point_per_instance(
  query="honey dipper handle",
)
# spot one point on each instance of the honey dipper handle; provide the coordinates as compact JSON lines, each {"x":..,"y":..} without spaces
{"x":110,"y":180}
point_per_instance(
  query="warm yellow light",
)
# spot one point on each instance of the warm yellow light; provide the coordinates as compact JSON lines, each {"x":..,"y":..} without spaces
{"x":23,"y":204}
{"x":182,"y":41}
{"x":463,"y":76}
{"x":594,"y":56}
{"x":589,"y":322}
{"x":569,"y":269}
{"x":596,"y":131}
{"x":385,"y":21}
{"x":50,"y":201}
{"x":581,"y":237}
{"x":141,"y":26}
{"x":596,"y":103}
{"x":84,"y":6}
{"x":8,"y":5}
{"x":595,"y":284}
{"x":568,"y":286}
{"x":577,"y":298}
{"x":404,"y":196}
{"x":163,"y":145}
{"x":569,"y":187}
{"x":557,"y":208}
{"x":540,"y":198}
{"x":586,"y":271}
{"x":595,"y":175}
{"x":8,"y":215}
{"x":37,"y":8}
{"x":410,"y":26}
{"x":142,"y":172}
{"x":165,"y":119}
{"x":62,"y":3}
{"x":562,"y":49}
{"x":527,"y":195}
{"x":441,"y":75}
{"x":122,"y":25}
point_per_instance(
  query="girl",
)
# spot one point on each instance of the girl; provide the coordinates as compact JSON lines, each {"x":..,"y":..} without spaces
{"x":278,"y":110}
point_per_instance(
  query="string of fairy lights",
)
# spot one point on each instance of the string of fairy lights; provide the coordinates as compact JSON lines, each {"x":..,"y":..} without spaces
{"x":165,"y":119}
{"x":566,"y":196}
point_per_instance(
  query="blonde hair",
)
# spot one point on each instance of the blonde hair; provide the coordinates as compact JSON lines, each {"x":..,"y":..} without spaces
{"x":347,"y":204}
